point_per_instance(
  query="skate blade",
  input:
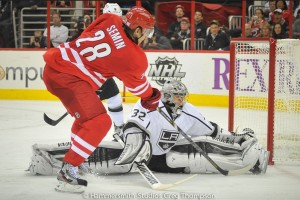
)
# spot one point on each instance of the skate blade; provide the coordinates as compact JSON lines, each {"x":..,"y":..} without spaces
{"x":66,"y":187}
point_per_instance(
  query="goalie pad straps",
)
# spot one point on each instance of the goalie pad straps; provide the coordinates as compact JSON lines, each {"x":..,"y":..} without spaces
{"x":102,"y":160}
{"x":223,"y":135}
{"x":226,"y":155}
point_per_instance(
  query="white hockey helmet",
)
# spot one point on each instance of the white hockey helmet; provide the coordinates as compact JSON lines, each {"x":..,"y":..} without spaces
{"x":171,"y":88}
{"x":113,"y":8}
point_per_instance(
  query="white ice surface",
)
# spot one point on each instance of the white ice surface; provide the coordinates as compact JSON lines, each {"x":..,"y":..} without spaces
{"x":22,"y":125}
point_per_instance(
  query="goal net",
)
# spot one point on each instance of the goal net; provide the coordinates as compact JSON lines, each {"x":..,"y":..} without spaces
{"x":264,"y":94}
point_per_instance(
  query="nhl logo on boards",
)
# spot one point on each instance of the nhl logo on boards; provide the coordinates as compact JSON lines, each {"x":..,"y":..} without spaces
{"x":165,"y":68}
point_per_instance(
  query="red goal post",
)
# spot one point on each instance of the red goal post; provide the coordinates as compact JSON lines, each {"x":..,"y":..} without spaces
{"x":264,"y":94}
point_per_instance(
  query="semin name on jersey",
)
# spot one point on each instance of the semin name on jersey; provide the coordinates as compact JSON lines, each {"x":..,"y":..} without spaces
{"x":116,"y":37}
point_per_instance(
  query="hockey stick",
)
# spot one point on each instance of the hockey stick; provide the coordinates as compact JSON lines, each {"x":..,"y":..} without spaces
{"x":213,"y":163}
{"x":146,"y":173}
{"x":52,"y":122}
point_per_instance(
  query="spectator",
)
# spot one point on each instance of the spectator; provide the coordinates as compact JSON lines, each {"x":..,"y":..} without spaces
{"x":184,"y":33}
{"x":200,"y":27}
{"x":62,"y":4}
{"x":281,"y":4}
{"x":279,"y":19}
{"x":265,"y":31}
{"x":175,"y":26}
{"x":65,"y":13}
{"x":58,"y":32}
{"x":157,"y":41}
{"x":285,"y":11}
{"x":87,"y":20}
{"x":277,"y":32}
{"x":269,"y":9}
{"x":248,"y":31}
{"x":256,"y":21}
{"x":36,"y":40}
{"x":217,"y":39}
{"x":156,"y":29}
{"x":81,"y":24}
{"x":296,"y":26}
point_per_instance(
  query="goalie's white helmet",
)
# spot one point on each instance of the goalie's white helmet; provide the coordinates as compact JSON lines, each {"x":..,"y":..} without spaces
{"x":113,"y":8}
{"x":173,"y":88}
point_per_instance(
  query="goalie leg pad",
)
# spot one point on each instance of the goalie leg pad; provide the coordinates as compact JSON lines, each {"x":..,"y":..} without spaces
{"x":40,"y":165}
{"x":227,"y":156}
{"x":198,"y":164}
{"x":45,"y":159}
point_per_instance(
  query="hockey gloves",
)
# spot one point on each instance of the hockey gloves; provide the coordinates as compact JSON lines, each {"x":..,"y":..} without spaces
{"x":151,"y":103}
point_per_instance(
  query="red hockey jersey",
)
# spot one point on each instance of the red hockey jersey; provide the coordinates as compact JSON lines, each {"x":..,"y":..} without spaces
{"x":103,"y":51}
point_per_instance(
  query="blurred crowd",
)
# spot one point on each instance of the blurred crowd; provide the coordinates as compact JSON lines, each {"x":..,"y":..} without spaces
{"x":270,"y":20}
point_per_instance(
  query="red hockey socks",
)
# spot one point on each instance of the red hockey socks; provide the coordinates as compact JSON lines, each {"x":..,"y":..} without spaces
{"x":86,"y":137}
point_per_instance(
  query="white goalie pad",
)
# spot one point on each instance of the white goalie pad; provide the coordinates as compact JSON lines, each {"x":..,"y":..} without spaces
{"x":229,"y":156}
{"x":47,"y":159}
{"x":42,"y":162}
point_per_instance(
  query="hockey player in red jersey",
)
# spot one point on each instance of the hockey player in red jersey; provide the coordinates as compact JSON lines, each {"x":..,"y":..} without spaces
{"x":109,"y":47}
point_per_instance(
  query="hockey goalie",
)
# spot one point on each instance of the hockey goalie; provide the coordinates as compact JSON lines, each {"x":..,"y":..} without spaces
{"x":150,"y":138}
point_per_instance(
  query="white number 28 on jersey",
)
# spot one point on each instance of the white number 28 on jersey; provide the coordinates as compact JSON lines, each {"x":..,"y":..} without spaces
{"x":98,"y":51}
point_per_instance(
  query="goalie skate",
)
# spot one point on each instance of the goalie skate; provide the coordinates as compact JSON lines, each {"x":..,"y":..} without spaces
{"x":261,"y":165}
{"x":69,"y":180}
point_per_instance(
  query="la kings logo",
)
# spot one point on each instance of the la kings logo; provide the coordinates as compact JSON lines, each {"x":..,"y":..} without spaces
{"x":165,"y":68}
{"x":167,"y":139}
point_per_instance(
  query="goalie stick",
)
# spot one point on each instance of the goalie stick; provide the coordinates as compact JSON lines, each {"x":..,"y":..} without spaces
{"x":213,"y":163}
{"x":146,"y":173}
{"x":52,"y":122}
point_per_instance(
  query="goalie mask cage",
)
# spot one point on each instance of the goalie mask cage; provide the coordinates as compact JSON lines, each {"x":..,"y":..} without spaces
{"x":264,"y":94}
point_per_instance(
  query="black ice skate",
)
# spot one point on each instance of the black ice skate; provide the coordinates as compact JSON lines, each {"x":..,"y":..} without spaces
{"x":69,"y":181}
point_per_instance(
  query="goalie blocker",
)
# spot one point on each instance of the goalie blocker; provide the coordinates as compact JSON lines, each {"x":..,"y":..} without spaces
{"x":111,"y":158}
